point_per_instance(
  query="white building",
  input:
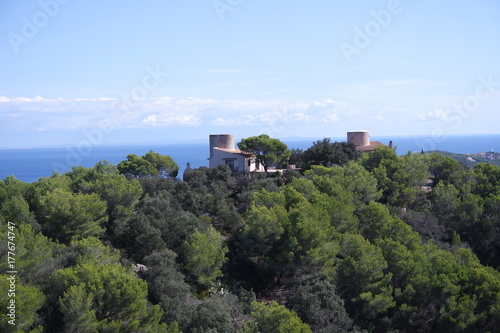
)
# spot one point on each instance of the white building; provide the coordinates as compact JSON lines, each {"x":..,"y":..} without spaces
{"x":222,"y":151}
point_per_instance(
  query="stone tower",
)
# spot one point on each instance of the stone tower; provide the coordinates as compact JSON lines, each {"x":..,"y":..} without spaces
{"x":224,"y":141}
{"x":359,"y":138}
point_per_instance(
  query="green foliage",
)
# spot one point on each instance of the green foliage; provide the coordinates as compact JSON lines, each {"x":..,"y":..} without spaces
{"x":361,"y":278}
{"x":160,"y":223}
{"x":446,"y":199}
{"x":204,"y":255}
{"x":296,"y":157}
{"x":212,"y":316}
{"x":13,"y":205}
{"x":137,"y":166}
{"x":445,"y":169}
{"x":39,"y":189}
{"x":284,"y":230}
{"x":24,"y":300}
{"x":335,"y":199}
{"x":11,"y":186}
{"x":488,"y":179}
{"x":138,"y":238}
{"x":427,"y":225}
{"x":341,"y":246}
{"x":274,"y":318}
{"x":399,"y":178}
{"x":316,"y":302}
{"x":92,"y":250}
{"x":268,"y":151}
{"x":263,"y":230}
{"x":309,"y":228}
{"x":325,"y":153}
{"x":16,"y":209}
{"x":37,"y":257}
{"x":168,"y":288}
{"x":164,"y":164}
{"x":107,"y":297}
{"x":360,"y":182}
{"x":76,"y":307}
{"x":377,"y":223}
{"x":208,"y":191}
{"x":150,"y":164}
{"x":471,"y":160}
{"x":67,"y":216}
{"x":120,"y":194}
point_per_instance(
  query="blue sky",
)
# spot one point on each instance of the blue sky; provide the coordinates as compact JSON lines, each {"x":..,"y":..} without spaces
{"x":163,"y":71}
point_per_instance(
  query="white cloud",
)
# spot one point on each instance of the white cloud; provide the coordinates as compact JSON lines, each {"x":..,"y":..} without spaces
{"x":331,"y":118}
{"x":170,"y":119}
{"x":437,"y":114}
{"x":39,"y":99}
{"x":4,"y":99}
{"x":238,"y":113}
{"x":61,"y":113}
{"x":326,"y":111}
{"x":219,"y":122}
{"x":22,"y":100}
{"x":99,"y":99}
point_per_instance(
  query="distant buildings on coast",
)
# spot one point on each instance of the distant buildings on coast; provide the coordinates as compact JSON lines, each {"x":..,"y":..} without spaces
{"x":224,"y":152}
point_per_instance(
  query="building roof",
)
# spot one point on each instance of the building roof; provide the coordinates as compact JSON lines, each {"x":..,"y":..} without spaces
{"x":235,"y":151}
{"x":371,"y":147}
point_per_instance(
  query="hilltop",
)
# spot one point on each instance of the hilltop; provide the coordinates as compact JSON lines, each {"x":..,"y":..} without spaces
{"x":471,"y":159}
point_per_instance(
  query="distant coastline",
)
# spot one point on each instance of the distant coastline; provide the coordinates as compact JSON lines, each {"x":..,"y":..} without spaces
{"x":30,"y":164}
{"x":472,"y":159}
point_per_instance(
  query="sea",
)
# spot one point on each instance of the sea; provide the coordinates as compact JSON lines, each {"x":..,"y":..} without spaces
{"x":31,"y":164}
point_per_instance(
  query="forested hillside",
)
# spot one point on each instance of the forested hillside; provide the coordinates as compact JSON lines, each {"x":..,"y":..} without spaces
{"x":471,"y":159}
{"x":372,"y":243}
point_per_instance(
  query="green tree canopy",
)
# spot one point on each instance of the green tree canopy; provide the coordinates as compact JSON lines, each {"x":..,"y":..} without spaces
{"x":27,"y":300}
{"x":120,"y":194}
{"x":92,"y":250}
{"x":445,"y":169}
{"x":109,"y":298}
{"x":362,"y":279}
{"x":11,"y":186}
{"x":350,"y":248}
{"x":488,"y":179}
{"x":399,"y":178}
{"x":168,"y":288}
{"x":151,"y":164}
{"x":36,"y":255}
{"x":212,"y":316}
{"x":325,"y":153}
{"x":16,"y":209}
{"x":205,"y":254}
{"x":315,"y":300}
{"x":268,"y":151}
{"x":68,"y":216}
{"x":274,"y":318}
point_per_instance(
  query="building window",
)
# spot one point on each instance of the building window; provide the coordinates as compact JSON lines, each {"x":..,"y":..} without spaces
{"x":230,"y":164}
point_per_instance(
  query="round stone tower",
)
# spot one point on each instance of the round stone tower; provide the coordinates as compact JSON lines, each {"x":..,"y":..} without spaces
{"x":359,"y":138}
{"x":224,"y":141}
